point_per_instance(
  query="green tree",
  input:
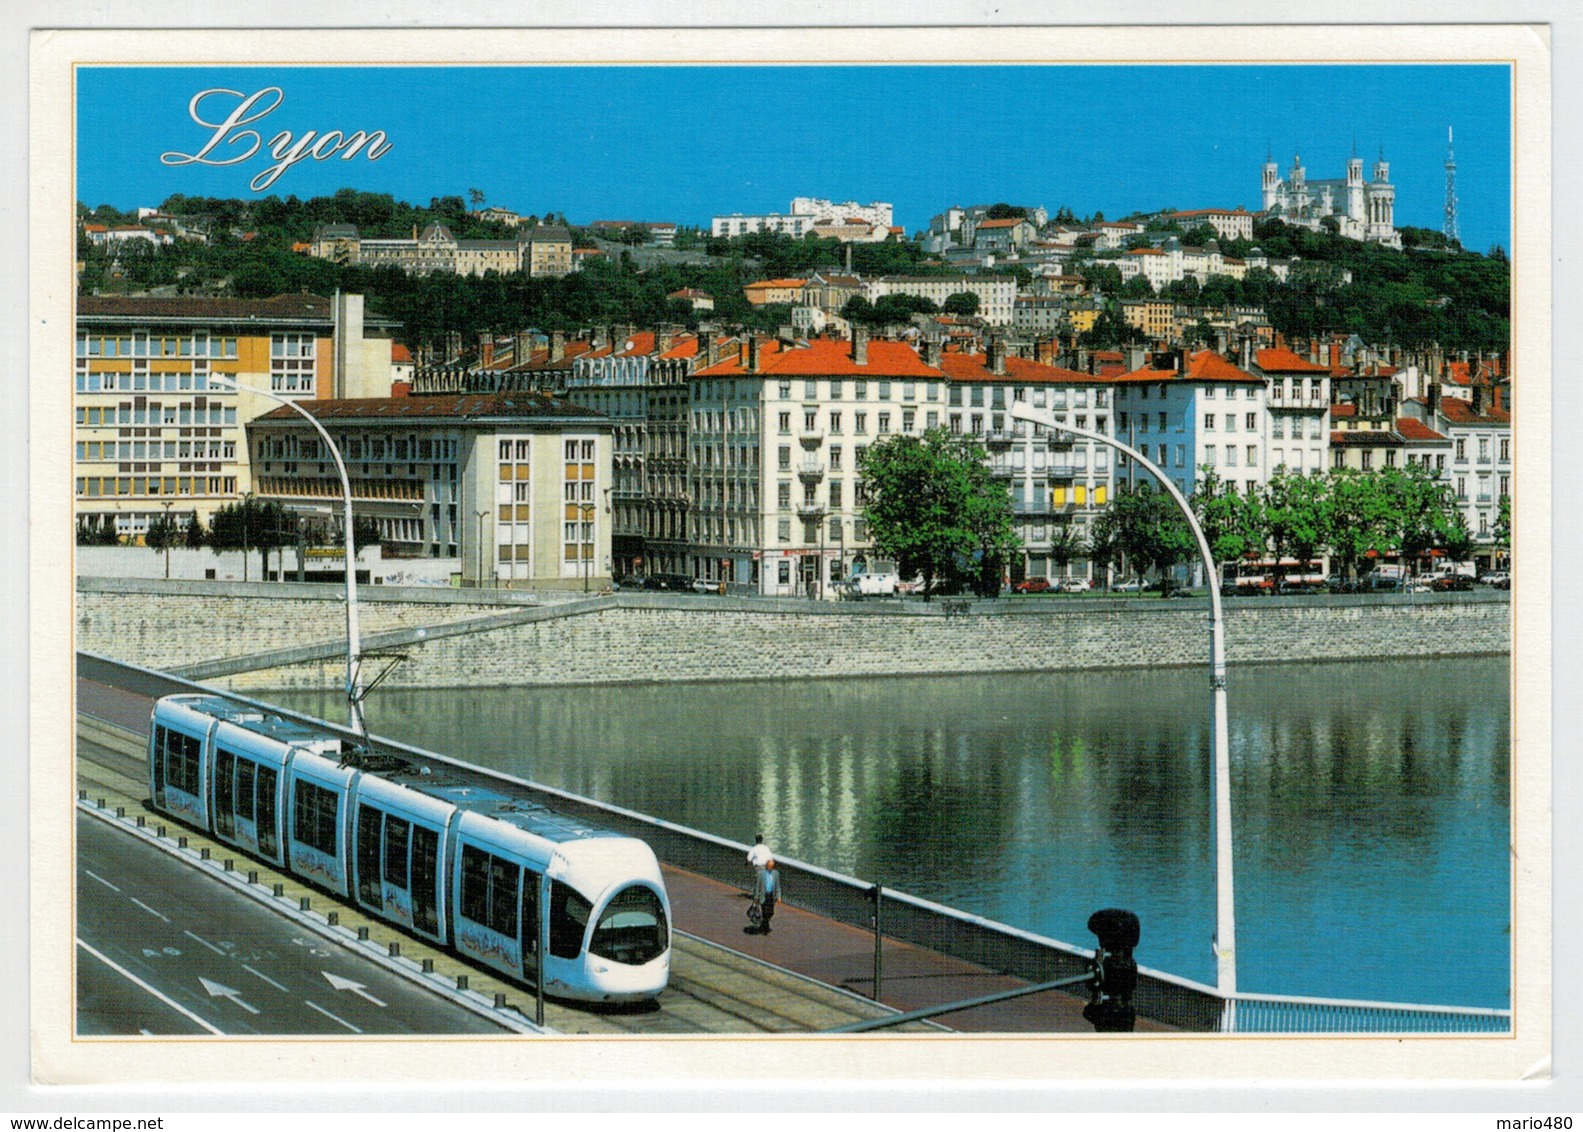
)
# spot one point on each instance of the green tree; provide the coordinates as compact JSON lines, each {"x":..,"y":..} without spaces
{"x":1295,"y":515}
{"x":1067,"y":543}
{"x":1357,"y":517}
{"x":1422,"y":514}
{"x":1232,"y":521}
{"x":1151,"y":531}
{"x":97,"y":530}
{"x":1502,"y":531}
{"x":933,"y":506}
{"x":252,"y":525}
{"x":962,"y":303}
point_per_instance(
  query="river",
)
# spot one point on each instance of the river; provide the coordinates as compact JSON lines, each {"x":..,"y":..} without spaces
{"x":1371,"y":801}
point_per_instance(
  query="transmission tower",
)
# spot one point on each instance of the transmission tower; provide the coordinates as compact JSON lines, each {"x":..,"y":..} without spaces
{"x":1450,"y":227}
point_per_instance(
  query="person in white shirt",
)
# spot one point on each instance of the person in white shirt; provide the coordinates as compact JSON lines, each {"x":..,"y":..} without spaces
{"x":759,"y":855}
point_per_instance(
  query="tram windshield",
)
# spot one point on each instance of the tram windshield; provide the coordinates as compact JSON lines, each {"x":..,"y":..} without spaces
{"x":632,"y":928}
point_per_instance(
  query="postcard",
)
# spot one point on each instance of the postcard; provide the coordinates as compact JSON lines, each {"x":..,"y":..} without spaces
{"x":574,"y":318}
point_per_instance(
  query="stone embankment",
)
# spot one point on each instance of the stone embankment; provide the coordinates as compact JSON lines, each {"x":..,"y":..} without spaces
{"x":276,"y":635}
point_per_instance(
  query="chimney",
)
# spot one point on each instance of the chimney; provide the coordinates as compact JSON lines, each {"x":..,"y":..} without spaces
{"x":1245,"y":354}
{"x":931,"y":352}
{"x":1335,"y":354}
{"x":995,"y":355}
{"x":1084,"y":362}
{"x":752,"y":363}
{"x":859,"y":344}
{"x":711,"y":346}
{"x":1134,"y":358}
{"x":1481,"y":397}
{"x":1222,"y":341}
{"x":1044,"y":352}
{"x":521,"y":348}
{"x":1433,"y":399}
{"x":557,"y":345}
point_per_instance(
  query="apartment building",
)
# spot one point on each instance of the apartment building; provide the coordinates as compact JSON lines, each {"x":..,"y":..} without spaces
{"x":152,"y":427}
{"x":514,"y":485}
{"x":997,"y":294}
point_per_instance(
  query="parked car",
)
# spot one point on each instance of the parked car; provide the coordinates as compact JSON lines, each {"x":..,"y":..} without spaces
{"x":1032,"y":586}
{"x":703,"y":586}
{"x":1500,"y":579}
{"x":1337,"y":584}
{"x":1301,"y":588}
{"x":1076,"y":586}
{"x":1452,"y":583}
{"x":1131,"y":587}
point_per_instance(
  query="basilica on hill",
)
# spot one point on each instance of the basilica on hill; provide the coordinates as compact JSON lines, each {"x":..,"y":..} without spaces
{"x":1358,"y":209}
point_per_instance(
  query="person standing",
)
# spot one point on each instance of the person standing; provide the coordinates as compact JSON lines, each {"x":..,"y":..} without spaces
{"x":766,"y":894}
{"x":760,"y":853}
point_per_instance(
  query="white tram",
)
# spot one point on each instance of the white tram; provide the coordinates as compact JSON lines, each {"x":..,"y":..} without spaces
{"x":501,"y":880}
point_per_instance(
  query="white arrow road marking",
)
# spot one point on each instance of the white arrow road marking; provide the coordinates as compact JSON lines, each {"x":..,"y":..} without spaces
{"x":341,"y":984}
{"x":220,"y":990}
{"x":166,"y":999}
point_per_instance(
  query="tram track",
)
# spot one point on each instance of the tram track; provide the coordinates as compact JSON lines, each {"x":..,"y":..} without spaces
{"x":712,"y":989}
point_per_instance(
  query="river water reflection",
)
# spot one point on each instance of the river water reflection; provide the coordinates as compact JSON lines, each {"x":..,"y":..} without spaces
{"x":1371,"y":801}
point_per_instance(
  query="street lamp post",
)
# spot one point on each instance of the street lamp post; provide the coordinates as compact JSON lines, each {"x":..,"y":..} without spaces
{"x":354,"y":647}
{"x":1225,"y":901}
{"x":247,"y":515}
{"x":167,"y":539}
{"x":584,"y":542}
{"x":482,"y":515}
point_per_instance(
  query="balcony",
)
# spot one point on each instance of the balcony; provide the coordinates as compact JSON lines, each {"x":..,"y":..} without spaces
{"x":1060,"y":472}
{"x":813,"y":435}
{"x":1005,"y":470}
{"x":810,"y":512}
{"x":998,"y":437}
{"x":810,"y":471}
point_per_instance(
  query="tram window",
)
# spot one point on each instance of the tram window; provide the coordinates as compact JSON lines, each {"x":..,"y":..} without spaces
{"x":475,"y":884}
{"x":245,"y":770}
{"x":265,"y":810}
{"x":314,"y":813}
{"x":425,"y":878}
{"x":632,"y":927}
{"x":530,"y":912}
{"x":503,"y":880}
{"x":568,"y":917}
{"x":368,"y":837}
{"x":179,"y":754}
{"x":224,"y":790}
{"x":396,"y":834}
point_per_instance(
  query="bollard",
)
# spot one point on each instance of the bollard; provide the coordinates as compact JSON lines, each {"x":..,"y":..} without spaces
{"x":120,"y":811}
{"x":395,"y":949}
{"x":181,"y":842}
{"x":333,"y":919}
{"x":159,"y":831}
{"x":303,"y":902}
{"x":362,"y":935}
{"x":428,"y":966}
{"x":203,"y":853}
{"x":461,"y":982}
{"x":82,"y":795}
{"x":280,"y":890}
{"x":141,"y":821}
{"x":500,"y":1001}
{"x":100,"y":803}
{"x":230,"y":865}
{"x":252,"y":876}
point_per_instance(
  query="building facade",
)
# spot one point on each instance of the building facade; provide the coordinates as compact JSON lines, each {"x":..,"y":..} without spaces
{"x":153,"y":429}
{"x":1348,"y":206}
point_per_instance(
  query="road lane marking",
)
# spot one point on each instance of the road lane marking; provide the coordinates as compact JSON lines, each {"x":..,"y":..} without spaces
{"x":263,"y":976}
{"x":150,"y":911}
{"x":344,"y":984}
{"x":206,"y":943}
{"x":333,"y":1017}
{"x":101,"y":880}
{"x":220,"y":990}
{"x":166,"y":999}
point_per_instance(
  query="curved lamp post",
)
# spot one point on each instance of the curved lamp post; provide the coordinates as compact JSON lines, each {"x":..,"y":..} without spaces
{"x":354,"y":648}
{"x":1225,"y":901}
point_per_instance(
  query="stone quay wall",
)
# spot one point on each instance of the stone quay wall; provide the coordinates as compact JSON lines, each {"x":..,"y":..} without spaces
{"x":268,"y":636}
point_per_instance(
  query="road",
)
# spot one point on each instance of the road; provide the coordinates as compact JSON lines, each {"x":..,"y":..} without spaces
{"x":163,"y":950}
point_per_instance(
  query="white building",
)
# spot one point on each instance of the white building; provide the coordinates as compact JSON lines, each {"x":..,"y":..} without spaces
{"x":997,"y":294}
{"x":1350,"y":207}
{"x":876,"y":213}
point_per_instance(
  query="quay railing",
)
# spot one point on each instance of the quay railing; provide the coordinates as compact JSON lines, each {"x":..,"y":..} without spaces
{"x":1177,"y":1002}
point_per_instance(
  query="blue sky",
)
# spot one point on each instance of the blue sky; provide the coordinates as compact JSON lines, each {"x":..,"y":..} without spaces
{"x":685,"y":143}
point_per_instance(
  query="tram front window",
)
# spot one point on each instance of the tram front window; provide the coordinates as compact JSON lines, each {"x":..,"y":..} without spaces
{"x":632,"y":928}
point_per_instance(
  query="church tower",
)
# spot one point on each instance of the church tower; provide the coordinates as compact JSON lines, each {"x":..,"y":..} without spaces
{"x":1355,"y":206}
{"x":1297,"y":203}
{"x":1382,"y":205}
{"x":1272,"y":183}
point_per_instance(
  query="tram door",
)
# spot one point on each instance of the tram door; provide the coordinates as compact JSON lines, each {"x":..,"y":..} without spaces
{"x":532,"y":882}
{"x":425,"y":880}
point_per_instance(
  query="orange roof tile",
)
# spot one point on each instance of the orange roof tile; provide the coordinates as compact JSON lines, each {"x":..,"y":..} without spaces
{"x":1206,"y":365}
{"x":830,"y":357}
{"x":960,"y":366}
{"x":1458,"y":411}
{"x":1411,"y":428}
{"x":1278,"y":359}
